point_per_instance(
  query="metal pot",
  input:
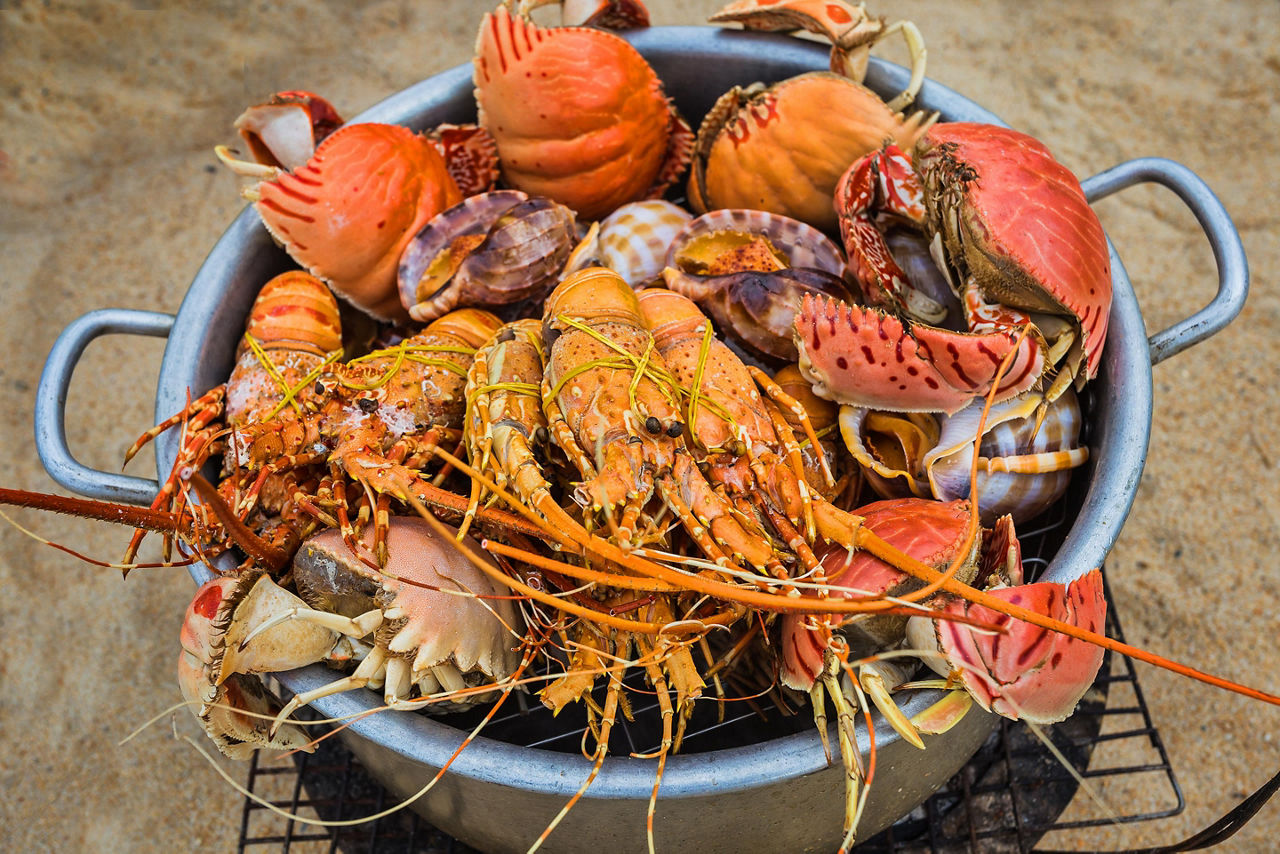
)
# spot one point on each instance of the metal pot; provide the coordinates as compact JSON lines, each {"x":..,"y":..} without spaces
{"x":780,"y":794}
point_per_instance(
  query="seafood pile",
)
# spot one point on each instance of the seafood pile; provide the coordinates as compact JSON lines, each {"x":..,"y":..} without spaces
{"x":772,"y":394}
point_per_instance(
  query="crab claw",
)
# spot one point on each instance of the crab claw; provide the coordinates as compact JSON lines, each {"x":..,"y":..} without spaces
{"x":286,"y":129}
{"x":863,"y":357}
{"x":1027,"y":672}
{"x":214,"y":667}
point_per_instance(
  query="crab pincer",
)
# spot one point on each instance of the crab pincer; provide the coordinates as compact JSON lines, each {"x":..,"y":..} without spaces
{"x":1019,"y":671}
{"x":219,"y":663}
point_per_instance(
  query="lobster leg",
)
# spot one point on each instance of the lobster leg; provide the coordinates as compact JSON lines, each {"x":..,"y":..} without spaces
{"x":779,"y":396}
{"x":199,"y":412}
{"x":697,"y":504}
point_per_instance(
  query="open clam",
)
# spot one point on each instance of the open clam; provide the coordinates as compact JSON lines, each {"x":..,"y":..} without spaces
{"x":491,"y":249}
{"x":750,"y":271}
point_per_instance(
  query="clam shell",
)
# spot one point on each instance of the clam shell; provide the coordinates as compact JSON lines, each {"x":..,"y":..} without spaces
{"x":803,"y":244}
{"x":515,"y":248}
{"x":633,"y":239}
{"x":1008,"y":434}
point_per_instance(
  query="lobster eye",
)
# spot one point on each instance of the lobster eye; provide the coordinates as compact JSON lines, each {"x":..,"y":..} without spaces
{"x":541,"y":436}
{"x":366,"y":404}
{"x":653,"y":425}
{"x":675,"y":429}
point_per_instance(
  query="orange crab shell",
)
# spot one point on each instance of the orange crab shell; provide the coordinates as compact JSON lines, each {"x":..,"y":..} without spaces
{"x":578,"y":114}
{"x":783,"y":148}
{"x":347,"y":214}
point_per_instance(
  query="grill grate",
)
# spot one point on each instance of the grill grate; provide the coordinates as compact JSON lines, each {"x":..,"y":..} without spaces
{"x":1010,"y":795}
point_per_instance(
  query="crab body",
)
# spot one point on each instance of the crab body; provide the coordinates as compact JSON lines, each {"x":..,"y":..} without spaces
{"x":577,"y":113}
{"x":1012,"y":231}
{"x":347,"y":214}
{"x":782,"y":148}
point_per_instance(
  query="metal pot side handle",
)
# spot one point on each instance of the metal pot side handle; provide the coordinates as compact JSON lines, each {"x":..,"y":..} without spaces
{"x":1228,"y":251}
{"x":51,"y":404}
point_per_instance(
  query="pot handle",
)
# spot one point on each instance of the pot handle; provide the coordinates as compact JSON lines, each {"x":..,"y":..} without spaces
{"x":1228,"y":251}
{"x":51,"y":404}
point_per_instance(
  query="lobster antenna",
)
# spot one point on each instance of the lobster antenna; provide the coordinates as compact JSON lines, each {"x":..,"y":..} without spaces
{"x":254,"y":546}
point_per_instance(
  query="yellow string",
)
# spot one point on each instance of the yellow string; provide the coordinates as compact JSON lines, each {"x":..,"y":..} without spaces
{"x":695,"y":394}
{"x":289,"y":393}
{"x":410,"y":353}
{"x":668,"y":386}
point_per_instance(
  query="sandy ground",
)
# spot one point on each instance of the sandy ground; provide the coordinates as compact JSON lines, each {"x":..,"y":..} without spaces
{"x":110,"y":196}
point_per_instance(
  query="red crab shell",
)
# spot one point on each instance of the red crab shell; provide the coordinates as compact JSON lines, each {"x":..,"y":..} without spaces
{"x":578,"y":115}
{"x":1027,"y":230}
{"x":867,"y":358}
{"x":1029,"y":672}
{"x":347,"y":214}
{"x":930,"y":531}
{"x":1021,"y":247}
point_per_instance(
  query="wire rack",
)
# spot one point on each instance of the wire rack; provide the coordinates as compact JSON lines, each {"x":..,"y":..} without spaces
{"x":1012,"y":793}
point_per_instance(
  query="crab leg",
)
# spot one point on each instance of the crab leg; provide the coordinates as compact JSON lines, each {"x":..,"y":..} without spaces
{"x":374,"y":665}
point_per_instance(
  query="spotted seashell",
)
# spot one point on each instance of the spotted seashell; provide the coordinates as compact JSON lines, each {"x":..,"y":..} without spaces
{"x":798,"y":244}
{"x":1021,"y":470}
{"x":633,"y":240}
{"x":890,"y":448}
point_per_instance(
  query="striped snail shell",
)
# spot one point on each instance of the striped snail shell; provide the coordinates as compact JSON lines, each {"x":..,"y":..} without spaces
{"x":633,"y":240}
{"x":890,"y":448}
{"x":1021,"y":470}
